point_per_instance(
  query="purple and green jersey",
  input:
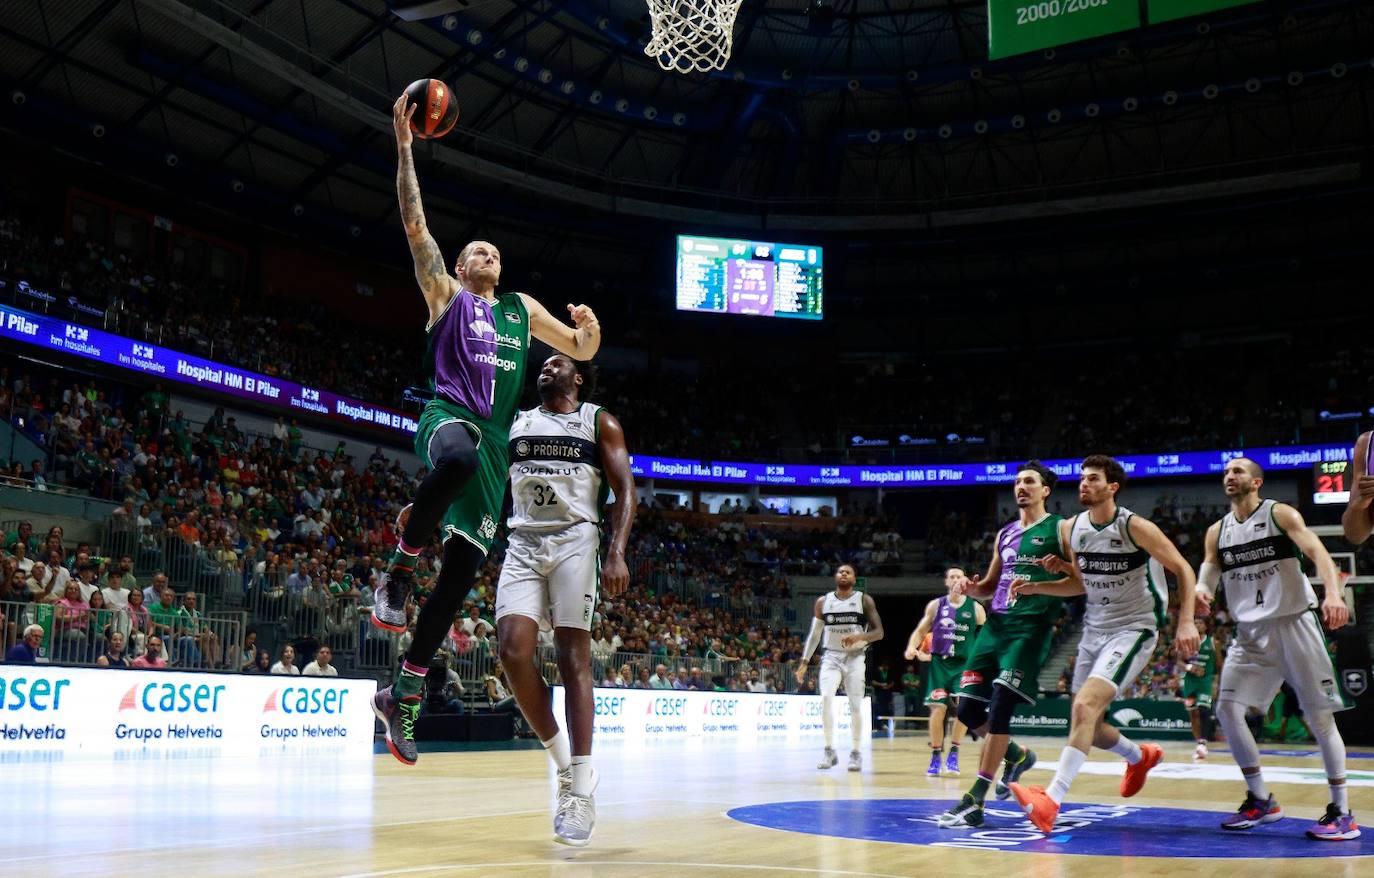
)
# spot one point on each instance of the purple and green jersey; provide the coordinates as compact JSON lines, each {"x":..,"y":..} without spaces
{"x":477,"y":351}
{"x":1019,"y":548}
{"x":952,"y":634}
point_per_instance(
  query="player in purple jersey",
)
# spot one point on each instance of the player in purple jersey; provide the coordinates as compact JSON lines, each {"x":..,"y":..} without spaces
{"x":478,"y":343}
{"x":1358,"y":520}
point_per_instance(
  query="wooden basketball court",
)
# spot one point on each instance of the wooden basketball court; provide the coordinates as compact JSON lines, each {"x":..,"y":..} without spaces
{"x":662,"y":810}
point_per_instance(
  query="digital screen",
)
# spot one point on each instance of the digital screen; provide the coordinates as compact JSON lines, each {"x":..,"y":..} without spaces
{"x":165,"y":364}
{"x":1331,"y":482}
{"x":941,"y":475}
{"x":1168,"y":10}
{"x":764,"y":279}
{"x":1330,"y":461}
{"x":1018,"y":26}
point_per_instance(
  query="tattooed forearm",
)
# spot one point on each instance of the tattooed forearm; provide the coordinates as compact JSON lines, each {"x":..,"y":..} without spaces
{"x":429,"y":262}
{"x":408,"y":190}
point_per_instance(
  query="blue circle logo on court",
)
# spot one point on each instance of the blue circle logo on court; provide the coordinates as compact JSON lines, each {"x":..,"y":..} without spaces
{"x":1091,"y":830}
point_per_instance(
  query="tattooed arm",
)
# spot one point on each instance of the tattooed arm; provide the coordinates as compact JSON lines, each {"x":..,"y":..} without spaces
{"x":431,"y":274}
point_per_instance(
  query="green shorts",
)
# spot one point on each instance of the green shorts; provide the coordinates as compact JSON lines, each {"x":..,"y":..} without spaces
{"x":1009,"y":653}
{"x":1199,"y":689}
{"x":943,"y":679}
{"x":474,"y":513}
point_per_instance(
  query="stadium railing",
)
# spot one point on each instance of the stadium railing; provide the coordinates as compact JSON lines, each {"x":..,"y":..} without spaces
{"x":206,"y":642}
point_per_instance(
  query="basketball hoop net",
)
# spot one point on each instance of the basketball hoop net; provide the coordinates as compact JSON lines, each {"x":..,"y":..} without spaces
{"x":692,"y":35}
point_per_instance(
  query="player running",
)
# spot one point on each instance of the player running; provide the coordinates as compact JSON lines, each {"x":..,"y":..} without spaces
{"x":951,"y":623}
{"x":1004,"y":668}
{"x":1118,"y":559}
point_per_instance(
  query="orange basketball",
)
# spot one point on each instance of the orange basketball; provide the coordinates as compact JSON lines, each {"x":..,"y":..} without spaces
{"x":927,"y":641}
{"x":437,"y":112}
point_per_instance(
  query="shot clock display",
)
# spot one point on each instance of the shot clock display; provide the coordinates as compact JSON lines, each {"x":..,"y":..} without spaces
{"x":1331,"y":482}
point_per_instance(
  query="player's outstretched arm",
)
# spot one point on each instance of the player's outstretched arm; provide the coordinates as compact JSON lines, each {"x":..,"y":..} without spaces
{"x":580,"y":341}
{"x":1148,"y":536}
{"x":615,"y":575}
{"x":1334,"y":611}
{"x":913,"y":643}
{"x":437,"y":285}
{"x":1358,"y":519}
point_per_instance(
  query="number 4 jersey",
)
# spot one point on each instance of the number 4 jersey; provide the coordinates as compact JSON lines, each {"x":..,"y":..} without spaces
{"x":1261,"y":568}
{"x":555,"y":469}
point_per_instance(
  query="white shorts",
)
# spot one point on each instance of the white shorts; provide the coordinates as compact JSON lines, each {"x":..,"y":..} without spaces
{"x":1291,"y":649}
{"x":837,"y":667}
{"x":1115,"y":656}
{"x":551,"y":577}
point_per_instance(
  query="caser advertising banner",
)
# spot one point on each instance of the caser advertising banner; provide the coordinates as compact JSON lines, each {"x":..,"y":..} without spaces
{"x":80,"y":712}
{"x":671,"y":715}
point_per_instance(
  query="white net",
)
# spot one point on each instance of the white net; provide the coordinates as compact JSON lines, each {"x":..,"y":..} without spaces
{"x":692,"y":35}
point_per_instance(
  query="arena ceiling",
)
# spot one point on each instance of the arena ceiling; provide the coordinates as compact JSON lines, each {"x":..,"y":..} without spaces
{"x":886,"y":116}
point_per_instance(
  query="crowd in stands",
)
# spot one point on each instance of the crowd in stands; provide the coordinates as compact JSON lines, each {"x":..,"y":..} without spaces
{"x":211,"y":520}
{"x":297,"y":537}
{"x":963,"y":406}
{"x":156,"y":302}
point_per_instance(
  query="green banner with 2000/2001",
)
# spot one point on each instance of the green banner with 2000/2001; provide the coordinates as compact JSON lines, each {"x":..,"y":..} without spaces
{"x":1016,"y":26}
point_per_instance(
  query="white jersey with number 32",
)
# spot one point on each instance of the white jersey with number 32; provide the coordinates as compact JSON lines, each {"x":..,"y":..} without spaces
{"x":1261,"y":568}
{"x":555,"y":469}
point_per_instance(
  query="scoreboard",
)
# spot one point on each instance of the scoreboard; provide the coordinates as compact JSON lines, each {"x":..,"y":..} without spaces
{"x":1331,"y":482}
{"x":759,"y":278}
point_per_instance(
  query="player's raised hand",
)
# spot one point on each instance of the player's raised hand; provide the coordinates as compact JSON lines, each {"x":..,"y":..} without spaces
{"x":615,"y":576}
{"x":401,"y":111}
{"x":1334,"y":611}
{"x":1187,"y":640}
{"x":582,"y":316}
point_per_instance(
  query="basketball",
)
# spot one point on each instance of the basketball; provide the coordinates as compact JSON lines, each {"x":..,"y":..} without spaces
{"x":926,"y":642}
{"x":437,"y":111}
